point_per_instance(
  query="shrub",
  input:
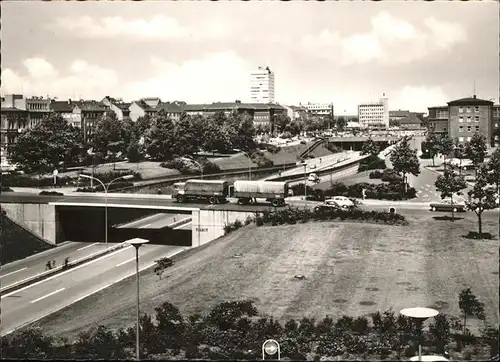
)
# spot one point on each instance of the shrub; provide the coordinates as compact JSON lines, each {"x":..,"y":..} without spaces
{"x":371,"y":163}
{"x":51,"y":193}
{"x":99,"y":188}
{"x":187,"y":166}
{"x":6,"y":189}
{"x":109,"y":176}
{"x":230,"y":227}
{"x":377,"y":174}
{"x":393,"y":191}
{"x":263,"y":161}
{"x":16,"y":180}
{"x":332,"y":148}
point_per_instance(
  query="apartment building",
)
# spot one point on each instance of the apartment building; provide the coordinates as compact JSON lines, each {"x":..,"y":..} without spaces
{"x":120,"y":108}
{"x":262,"y":85}
{"x":296,"y":112}
{"x":318,"y":109}
{"x":375,"y":114}
{"x":65,"y":110}
{"x":87,"y":113}
{"x":143,"y":107}
{"x":438,"y":120}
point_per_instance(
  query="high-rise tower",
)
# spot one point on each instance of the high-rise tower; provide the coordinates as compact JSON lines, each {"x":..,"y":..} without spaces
{"x":262,"y":85}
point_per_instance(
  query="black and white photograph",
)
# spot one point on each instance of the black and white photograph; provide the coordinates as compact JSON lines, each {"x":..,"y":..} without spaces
{"x":250,"y":180}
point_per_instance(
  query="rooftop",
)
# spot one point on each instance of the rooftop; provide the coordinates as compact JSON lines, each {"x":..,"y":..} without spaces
{"x":411,"y":119}
{"x":470,"y":101}
{"x":62,"y":106}
{"x":91,"y":106}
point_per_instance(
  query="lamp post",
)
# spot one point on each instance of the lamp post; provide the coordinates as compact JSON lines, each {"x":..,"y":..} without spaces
{"x":200,"y":167}
{"x":270,"y":347}
{"x":250,"y":165}
{"x":419,"y":315}
{"x":305,"y":185}
{"x":137,"y":242}
{"x":126,"y":177}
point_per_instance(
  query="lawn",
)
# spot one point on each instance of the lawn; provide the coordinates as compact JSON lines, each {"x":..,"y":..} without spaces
{"x":351,"y":269}
{"x":18,"y":243}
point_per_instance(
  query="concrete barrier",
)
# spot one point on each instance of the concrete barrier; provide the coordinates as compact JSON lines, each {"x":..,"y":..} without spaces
{"x":24,"y":283}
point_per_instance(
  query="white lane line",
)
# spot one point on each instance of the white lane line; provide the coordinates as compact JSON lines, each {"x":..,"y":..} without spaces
{"x":145,"y":226}
{"x":88,"y":246}
{"x":47,"y":295}
{"x":181,"y":226}
{"x":1,"y":276}
{"x":65,"y":272}
{"x":125,"y":262}
{"x":89,"y":294}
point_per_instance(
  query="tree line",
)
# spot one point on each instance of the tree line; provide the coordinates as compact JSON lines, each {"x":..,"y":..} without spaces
{"x":234,"y":330}
{"x":54,"y":143}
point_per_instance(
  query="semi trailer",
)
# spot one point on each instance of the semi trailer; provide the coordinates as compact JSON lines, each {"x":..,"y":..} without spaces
{"x":215,"y":191}
{"x":273,"y":191}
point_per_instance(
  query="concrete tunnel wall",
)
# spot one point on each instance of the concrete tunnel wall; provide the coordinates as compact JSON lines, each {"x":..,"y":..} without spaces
{"x":41,"y":219}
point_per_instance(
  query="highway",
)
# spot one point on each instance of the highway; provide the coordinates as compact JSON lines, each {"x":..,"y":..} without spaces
{"x":36,"y":264}
{"x":31,"y":303}
{"x":155,"y":221}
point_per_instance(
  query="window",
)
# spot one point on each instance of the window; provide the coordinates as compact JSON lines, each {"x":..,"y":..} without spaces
{"x":461,"y":119}
{"x":469,"y":138}
{"x":469,"y":109}
{"x":476,"y":109}
{"x":460,"y":109}
{"x":461,"y":129}
{"x":496,"y":125}
{"x":476,"y":118}
{"x":461,"y":139}
{"x":469,"y":119}
{"x":469,"y":128}
{"x":477,"y":128}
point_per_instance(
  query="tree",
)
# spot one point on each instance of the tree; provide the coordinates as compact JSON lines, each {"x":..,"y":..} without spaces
{"x":142,"y":126}
{"x":171,"y":326}
{"x":99,"y":343}
{"x":493,"y":177}
{"x":470,"y":306}
{"x":440,"y":331}
{"x":370,"y":147}
{"x":112,"y":135}
{"x":187,"y":140}
{"x":445,"y":147}
{"x":432,"y":146}
{"x":404,"y":160}
{"x":280,"y":121}
{"x":48,"y":145}
{"x":134,"y":152}
{"x":448,"y":184}
{"x":341,"y":124}
{"x":481,"y":197}
{"x":459,"y":152}
{"x":162,"y":265}
{"x":476,"y":150}
{"x":160,"y":139}
{"x":215,"y":137}
{"x":28,"y":344}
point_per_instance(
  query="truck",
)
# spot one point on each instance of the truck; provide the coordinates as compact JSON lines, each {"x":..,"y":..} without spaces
{"x":273,"y":191}
{"x":215,"y":191}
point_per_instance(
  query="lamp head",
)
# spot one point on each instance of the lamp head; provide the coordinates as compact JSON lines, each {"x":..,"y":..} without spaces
{"x":137,"y":242}
{"x":127,"y":177}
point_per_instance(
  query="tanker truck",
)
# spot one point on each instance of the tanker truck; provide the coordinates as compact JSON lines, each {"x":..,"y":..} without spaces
{"x":273,"y":191}
{"x":215,"y":191}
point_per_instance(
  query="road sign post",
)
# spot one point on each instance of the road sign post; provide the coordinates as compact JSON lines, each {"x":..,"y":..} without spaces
{"x":55,"y":173}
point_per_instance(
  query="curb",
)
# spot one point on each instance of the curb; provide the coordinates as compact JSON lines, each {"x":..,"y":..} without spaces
{"x":59,"y":269}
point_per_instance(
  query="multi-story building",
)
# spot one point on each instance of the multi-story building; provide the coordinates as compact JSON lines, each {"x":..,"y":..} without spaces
{"x":462,"y":118}
{"x":467,"y":116}
{"x":118,"y":106}
{"x":262,"y":85}
{"x":65,"y":109}
{"x":296,"y":112}
{"x":88,"y":113}
{"x":437,"y":120}
{"x":496,"y":125}
{"x":19,"y":113}
{"x":374,"y":115}
{"x":143,"y":107}
{"x":174,"y":110}
{"x":319,"y":109}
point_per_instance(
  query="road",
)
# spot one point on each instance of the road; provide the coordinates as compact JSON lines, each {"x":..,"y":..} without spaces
{"x":155,"y":221}
{"x":36,"y":264}
{"x":29,"y":304}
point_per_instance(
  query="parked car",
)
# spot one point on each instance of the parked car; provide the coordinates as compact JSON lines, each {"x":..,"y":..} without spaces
{"x":328,"y":205}
{"x":342,"y":201}
{"x":448,"y":205}
{"x":313,"y":177}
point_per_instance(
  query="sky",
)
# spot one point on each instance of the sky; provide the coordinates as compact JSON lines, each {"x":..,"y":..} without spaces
{"x":419,"y":54}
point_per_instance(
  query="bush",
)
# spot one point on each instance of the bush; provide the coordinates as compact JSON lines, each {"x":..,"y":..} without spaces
{"x":371,"y":163}
{"x":291,"y":214}
{"x":109,"y":176}
{"x":51,"y":193}
{"x":6,"y":189}
{"x":263,"y":161}
{"x":332,"y":148}
{"x":17,"y":180}
{"x":269,"y":147}
{"x":99,"y":188}
{"x":230,"y":227}
{"x":186,"y":166}
{"x":393,"y":191}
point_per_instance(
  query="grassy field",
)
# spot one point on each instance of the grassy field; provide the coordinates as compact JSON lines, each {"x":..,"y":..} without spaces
{"x":350,"y":269}
{"x":18,"y":243}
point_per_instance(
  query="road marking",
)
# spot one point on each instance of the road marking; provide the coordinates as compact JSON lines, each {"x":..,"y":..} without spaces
{"x":1,"y":276}
{"x":64,"y":272}
{"x":48,"y":295}
{"x":125,"y":262}
{"x":91,"y":293}
{"x":181,"y":226}
{"x":88,"y":246}
{"x":145,"y":226}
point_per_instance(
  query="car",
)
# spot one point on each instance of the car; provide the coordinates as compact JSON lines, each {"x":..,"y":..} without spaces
{"x":448,"y":205}
{"x":342,"y":201}
{"x":328,"y":205}
{"x":313,"y":177}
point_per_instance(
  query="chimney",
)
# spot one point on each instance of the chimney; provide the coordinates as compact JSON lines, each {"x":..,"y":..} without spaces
{"x":69,"y":101}
{"x":474,"y":96}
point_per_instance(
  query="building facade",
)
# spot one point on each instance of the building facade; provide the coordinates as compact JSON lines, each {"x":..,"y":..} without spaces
{"x":438,"y":120}
{"x":468,"y":116}
{"x":319,"y":109}
{"x":120,"y":108}
{"x":88,"y":113}
{"x":143,"y":107}
{"x":65,"y":110}
{"x":262,"y":85}
{"x":374,"y":115}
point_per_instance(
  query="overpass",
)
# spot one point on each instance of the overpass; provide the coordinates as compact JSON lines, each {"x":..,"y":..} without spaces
{"x":156,"y":217}
{"x":356,"y":143}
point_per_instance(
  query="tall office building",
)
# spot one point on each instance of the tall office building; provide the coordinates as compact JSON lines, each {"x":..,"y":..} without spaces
{"x":262,"y":85}
{"x":374,"y":114}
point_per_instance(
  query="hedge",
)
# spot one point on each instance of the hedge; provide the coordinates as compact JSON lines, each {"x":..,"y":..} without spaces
{"x":99,"y":188}
{"x":187,"y":167}
{"x":293,"y":215}
{"x":388,"y":175}
{"x":106,"y":177}
{"x":393,"y":191}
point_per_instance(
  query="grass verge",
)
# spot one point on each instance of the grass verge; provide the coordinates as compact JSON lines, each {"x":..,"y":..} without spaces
{"x":349,"y":269}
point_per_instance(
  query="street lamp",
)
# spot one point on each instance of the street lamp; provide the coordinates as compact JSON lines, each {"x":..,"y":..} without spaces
{"x":137,"y":242}
{"x":305,"y":185}
{"x":419,"y":315}
{"x":200,"y":167}
{"x":126,"y":177}
{"x":250,"y":165}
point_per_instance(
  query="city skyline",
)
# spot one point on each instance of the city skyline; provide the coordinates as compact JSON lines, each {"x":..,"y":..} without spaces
{"x":421,"y":57}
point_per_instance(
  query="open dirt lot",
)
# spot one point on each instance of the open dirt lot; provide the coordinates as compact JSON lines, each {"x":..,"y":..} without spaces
{"x":350,"y":269}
